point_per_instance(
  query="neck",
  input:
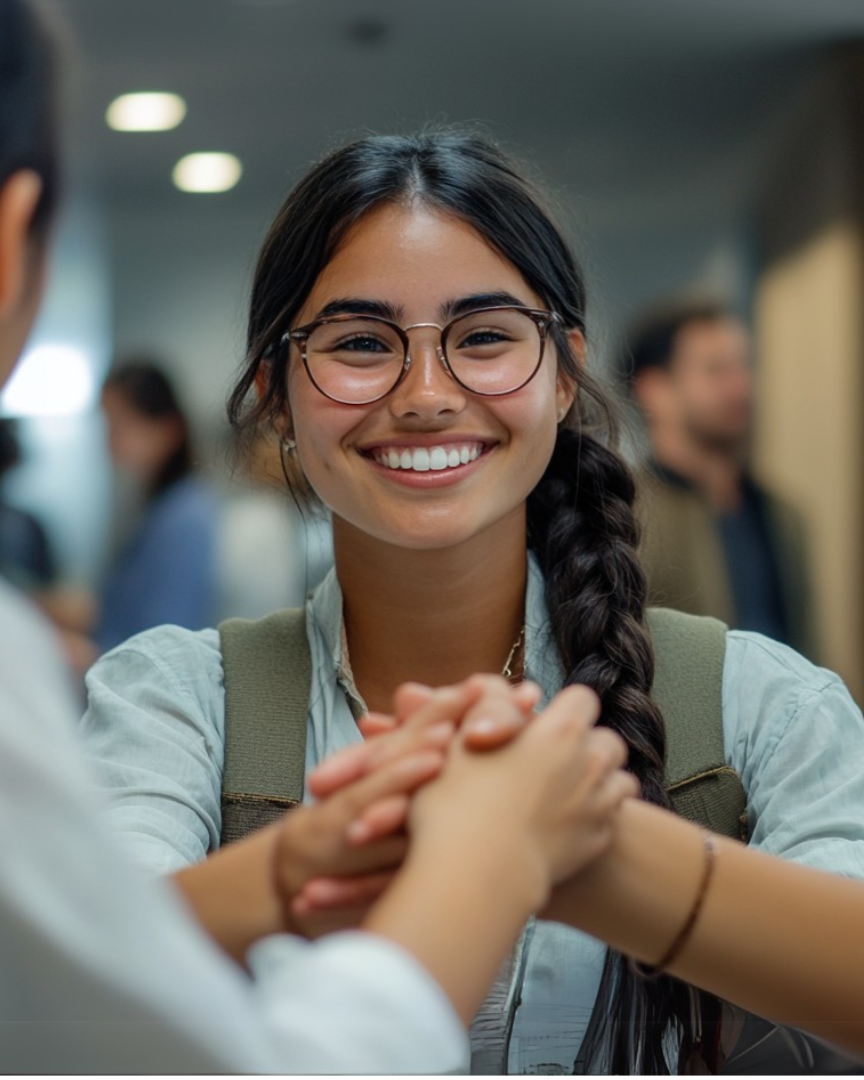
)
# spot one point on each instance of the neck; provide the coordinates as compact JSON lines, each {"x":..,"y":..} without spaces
{"x":715,"y":470}
{"x":433,"y":617}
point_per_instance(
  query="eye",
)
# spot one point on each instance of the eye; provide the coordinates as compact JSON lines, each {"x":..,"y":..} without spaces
{"x":361,"y":343}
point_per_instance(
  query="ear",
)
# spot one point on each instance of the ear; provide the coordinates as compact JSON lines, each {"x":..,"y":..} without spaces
{"x":565,"y":387}
{"x":19,"y":197}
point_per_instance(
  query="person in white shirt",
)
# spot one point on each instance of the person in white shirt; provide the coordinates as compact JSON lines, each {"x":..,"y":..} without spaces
{"x":103,"y":969}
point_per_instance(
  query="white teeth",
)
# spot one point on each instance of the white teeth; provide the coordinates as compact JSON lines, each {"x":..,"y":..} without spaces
{"x":435,"y":458}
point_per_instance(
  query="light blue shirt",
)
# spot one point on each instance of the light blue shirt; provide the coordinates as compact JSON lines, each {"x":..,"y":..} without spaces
{"x":155,"y":728}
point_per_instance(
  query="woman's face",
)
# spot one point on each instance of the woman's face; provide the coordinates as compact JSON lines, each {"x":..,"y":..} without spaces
{"x":139,"y":444}
{"x":418,"y":263}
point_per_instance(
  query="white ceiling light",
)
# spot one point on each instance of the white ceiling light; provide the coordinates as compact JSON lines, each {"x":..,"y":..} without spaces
{"x":207,"y":172}
{"x":145,"y":112}
{"x":50,"y":380}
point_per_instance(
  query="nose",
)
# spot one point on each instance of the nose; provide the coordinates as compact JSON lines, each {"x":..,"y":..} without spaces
{"x":428,"y":389}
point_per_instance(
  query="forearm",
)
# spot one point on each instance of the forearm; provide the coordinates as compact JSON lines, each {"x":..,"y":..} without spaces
{"x":458,"y":912}
{"x":776,"y":938}
{"x":232,"y":893}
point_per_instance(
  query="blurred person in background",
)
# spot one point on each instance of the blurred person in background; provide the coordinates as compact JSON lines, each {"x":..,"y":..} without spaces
{"x":716,"y":542}
{"x":165,"y":572}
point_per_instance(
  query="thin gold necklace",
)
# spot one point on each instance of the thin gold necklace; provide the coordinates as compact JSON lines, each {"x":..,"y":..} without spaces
{"x":507,"y":671}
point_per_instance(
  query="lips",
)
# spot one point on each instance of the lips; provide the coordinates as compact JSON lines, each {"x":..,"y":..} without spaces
{"x":427,"y":458}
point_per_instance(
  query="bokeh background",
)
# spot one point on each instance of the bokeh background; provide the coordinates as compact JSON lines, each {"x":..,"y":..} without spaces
{"x":690,"y":145}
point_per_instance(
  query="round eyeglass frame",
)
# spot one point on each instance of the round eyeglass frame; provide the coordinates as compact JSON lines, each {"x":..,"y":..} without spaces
{"x":542,"y":320}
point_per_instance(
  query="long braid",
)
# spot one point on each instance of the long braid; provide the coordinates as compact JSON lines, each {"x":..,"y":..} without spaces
{"x":583,"y":530}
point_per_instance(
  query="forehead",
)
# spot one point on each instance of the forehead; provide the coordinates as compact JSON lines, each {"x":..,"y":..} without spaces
{"x":415,"y":257}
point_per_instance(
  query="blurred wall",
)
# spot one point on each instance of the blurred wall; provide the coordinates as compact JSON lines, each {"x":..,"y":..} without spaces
{"x":810,"y":338}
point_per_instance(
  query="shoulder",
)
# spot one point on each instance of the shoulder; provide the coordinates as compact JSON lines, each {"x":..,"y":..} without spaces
{"x":187,"y":663}
{"x":758,"y":668}
{"x":770,"y":692}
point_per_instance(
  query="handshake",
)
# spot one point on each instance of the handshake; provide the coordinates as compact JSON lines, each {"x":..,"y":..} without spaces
{"x":467,"y":780}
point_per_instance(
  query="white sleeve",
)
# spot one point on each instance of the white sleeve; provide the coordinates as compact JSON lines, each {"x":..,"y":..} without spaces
{"x":363,"y":1004}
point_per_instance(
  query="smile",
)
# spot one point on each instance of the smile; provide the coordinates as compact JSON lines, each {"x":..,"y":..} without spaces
{"x":427,"y":458}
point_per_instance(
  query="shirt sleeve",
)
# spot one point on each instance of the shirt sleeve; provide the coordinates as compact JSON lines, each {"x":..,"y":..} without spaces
{"x":796,"y":738}
{"x":154,"y":731}
{"x":405,"y":1024}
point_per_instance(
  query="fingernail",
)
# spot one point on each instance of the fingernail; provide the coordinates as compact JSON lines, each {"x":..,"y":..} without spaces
{"x":484,"y":726}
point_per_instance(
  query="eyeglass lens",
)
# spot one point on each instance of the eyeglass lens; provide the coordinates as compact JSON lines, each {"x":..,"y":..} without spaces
{"x":359,"y":359}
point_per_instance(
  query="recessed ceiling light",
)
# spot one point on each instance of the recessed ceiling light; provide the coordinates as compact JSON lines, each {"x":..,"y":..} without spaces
{"x":145,"y":112}
{"x":207,"y":172}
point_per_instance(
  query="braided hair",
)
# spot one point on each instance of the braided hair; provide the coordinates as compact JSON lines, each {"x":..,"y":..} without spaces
{"x":580,"y":517}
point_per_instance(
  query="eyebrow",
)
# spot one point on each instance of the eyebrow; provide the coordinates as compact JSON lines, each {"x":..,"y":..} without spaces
{"x":354,"y":305}
{"x":450,"y":309}
{"x":453,"y":308}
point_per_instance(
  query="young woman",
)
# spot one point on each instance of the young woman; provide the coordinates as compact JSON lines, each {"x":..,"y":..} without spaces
{"x":417,"y":339}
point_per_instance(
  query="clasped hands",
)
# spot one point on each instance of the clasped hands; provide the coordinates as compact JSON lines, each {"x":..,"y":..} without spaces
{"x":470,"y":765}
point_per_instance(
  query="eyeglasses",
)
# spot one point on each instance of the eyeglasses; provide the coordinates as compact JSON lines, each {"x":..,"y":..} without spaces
{"x":360,"y":359}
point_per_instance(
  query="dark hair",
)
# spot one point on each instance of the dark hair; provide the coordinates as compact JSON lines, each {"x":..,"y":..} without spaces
{"x":651,"y":342}
{"x":149,"y":391}
{"x":28,"y":106}
{"x":581,"y":524}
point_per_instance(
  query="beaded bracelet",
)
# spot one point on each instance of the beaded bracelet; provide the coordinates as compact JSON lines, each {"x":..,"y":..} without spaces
{"x":654,"y":971}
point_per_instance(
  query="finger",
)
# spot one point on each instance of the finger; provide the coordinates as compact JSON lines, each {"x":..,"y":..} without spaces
{"x":401,"y":776}
{"x":607,"y":748}
{"x":339,"y":769}
{"x":527,"y":696}
{"x":577,"y":705}
{"x":422,"y":707}
{"x":491,"y":725}
{"x":380,"y":819}
{"x":330,"y":893}
{"x":408,"y":698}
{"x":373,"y":724}
{"x":408,"y":740}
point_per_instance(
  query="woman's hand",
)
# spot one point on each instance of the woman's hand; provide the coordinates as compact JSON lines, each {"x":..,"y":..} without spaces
{"x":553,"y":793}
{"x":329,"y":865}
{"x":489,"y":710}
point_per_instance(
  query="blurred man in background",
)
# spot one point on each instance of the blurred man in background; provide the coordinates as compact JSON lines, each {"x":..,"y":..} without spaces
{"x":715,"y":541}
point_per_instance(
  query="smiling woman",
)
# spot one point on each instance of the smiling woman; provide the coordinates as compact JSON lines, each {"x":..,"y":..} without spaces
{"x":417,"y":341}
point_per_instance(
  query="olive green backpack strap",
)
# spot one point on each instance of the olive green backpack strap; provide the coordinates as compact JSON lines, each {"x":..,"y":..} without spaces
{"x":688,"y":686}
{"x":268,"y":671}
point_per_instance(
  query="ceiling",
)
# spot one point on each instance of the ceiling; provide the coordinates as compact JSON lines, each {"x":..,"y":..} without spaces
{"x":627,"y":105}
